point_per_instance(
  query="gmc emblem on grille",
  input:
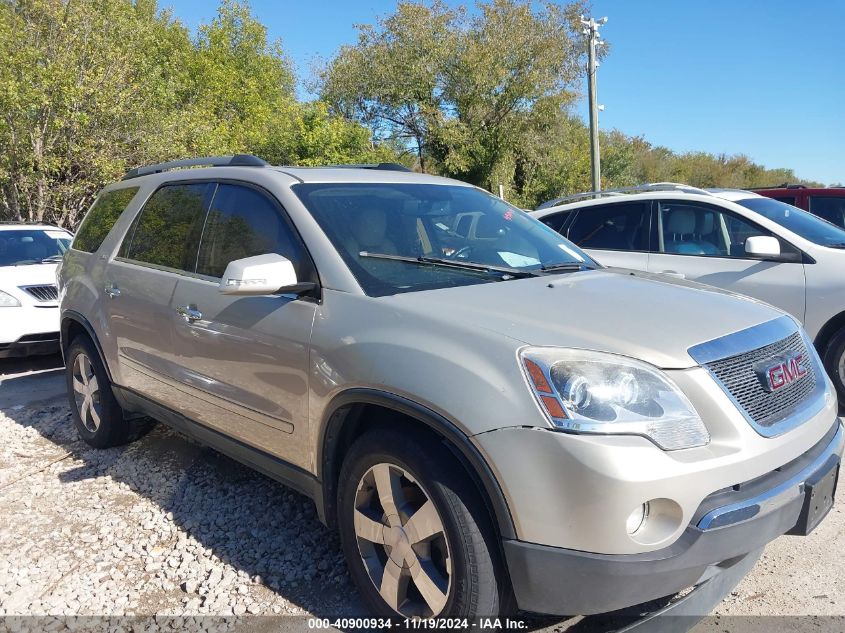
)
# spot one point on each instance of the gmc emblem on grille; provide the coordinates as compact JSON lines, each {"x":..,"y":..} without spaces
{"x":780,"y":371}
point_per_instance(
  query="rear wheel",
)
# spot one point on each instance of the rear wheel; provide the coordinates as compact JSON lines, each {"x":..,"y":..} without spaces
{"x":834,"y":363}
{"x":416,"y":535}
{"x":98,"y":417}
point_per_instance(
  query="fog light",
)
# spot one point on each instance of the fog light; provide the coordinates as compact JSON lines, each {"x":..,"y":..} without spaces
{"x":637,"y":519}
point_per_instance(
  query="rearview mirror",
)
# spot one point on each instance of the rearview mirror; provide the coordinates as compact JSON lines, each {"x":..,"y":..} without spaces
{"x":762,"y":246}
{"x":260,"y":275}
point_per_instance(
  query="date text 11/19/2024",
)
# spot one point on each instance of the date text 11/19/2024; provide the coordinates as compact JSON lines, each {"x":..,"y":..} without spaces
{"x":462,"y":624}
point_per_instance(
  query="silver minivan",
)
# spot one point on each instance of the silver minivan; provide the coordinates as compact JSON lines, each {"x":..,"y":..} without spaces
{"x":489,"y":418}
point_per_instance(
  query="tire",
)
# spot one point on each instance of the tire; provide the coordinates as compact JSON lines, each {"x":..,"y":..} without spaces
{"x":834,"y":363}
{"x":99,"y":420}
{"x":395,"y":487}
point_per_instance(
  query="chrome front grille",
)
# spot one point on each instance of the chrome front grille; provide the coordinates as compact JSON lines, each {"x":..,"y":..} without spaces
{"x":739,"y":378}
{"x":44,"y":293}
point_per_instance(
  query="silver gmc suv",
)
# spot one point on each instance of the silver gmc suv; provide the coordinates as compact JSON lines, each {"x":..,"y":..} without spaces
{"x":489,"y":418}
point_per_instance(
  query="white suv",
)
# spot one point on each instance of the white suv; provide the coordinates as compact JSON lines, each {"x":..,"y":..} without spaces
{"x":729,"y":238}
{"x":29,"y":307}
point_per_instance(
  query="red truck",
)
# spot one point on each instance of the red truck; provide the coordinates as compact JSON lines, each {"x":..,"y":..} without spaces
{"x":827,"y":203}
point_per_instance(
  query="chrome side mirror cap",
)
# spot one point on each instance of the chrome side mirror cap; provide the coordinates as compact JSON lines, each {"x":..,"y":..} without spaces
{"x":259,"y":275}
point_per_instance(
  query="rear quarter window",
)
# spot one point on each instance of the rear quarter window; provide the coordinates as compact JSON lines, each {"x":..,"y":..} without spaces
{"x":101,"y":218}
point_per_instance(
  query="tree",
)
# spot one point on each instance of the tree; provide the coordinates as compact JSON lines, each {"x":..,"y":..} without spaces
{"x":90,"y":88}
{"x":78,"y":98}
{"x":461,"y":90}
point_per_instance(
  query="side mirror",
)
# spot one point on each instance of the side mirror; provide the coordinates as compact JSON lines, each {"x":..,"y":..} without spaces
{"x":260,"y":275}
{"x":762,"y":246}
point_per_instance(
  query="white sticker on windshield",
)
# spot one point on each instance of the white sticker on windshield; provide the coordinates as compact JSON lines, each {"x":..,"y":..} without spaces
{"x":57,"y":235}
{"x":515,"y":260}
{"x":569,"y":251}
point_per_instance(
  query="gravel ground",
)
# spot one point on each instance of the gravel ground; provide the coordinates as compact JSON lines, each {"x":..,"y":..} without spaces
{"x":165,"y":527}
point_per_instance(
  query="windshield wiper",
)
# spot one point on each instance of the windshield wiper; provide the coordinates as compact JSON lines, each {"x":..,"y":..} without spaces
{"x":511,"y":273}
{"x":566,"y":266}
{"x":44,"y":260}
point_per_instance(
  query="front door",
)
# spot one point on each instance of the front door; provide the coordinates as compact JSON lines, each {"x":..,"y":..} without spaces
{"x":245,"y":359}
{"x":706,"y":243}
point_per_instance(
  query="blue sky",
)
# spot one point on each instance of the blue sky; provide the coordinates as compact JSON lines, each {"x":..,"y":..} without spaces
{"x":762,"y":78}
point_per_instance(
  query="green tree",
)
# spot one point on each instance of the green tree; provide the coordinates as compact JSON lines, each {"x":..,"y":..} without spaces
{"x":90,"y":88}
{"x":462,"y":90}
{"x":79,"y":99}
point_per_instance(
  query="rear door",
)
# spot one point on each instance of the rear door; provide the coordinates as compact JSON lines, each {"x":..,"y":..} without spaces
{"x":706,"y":243}
{"x":159,"y":248}
{"x":244,"y":360}
{"x":614,"y":234}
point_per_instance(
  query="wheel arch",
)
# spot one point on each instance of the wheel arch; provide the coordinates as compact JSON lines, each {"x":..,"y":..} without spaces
{"x":344,"y":421}
{"x":828,"y":331}
{"x":72,"y":325}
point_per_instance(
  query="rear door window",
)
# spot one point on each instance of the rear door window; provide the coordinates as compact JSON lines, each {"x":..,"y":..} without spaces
{"x":558,"y":221}
{"x":829,"y":208}
{"x":167,"y":231}
{"x":615,"y":227}
{"x":244,"y":222}
{"x":100,"y":219}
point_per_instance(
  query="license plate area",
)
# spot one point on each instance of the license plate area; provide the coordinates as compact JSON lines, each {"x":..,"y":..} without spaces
{"x":819,"y":494}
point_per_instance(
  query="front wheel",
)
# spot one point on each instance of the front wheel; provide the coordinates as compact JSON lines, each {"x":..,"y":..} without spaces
{"x":834,"y":363}
{"x":416,"y":535}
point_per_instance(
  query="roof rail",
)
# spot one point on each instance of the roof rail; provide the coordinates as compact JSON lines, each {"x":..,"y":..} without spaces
{"x":238,"y":160}
{"x":785,"y":185}
{"x":381,"y":166}
{"x":654,"y":186}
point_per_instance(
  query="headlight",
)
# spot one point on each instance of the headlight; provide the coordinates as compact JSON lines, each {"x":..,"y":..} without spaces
{"x":8,"y":301}
{"x":592,"y":392}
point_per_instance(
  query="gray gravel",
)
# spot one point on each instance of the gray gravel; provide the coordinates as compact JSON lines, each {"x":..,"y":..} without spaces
{"x":162,"y":526}
{"x":165,"y":527}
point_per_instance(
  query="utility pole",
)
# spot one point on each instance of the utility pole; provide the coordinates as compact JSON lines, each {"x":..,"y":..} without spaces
{"x":591,"y":30}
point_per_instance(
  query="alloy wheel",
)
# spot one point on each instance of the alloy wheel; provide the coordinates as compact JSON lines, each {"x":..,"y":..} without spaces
{"x":842,"y":368}
{"x":86,"y":392}
{"x":402,"y":542}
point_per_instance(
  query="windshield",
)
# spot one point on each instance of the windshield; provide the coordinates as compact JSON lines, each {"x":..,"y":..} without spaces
{"x":807,"y":225}
{"x":19,"y":247}
{"x":403,"y":237}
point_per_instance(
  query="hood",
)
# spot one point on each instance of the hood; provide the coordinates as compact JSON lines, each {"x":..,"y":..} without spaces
{"x":653,"y":318}
{"x":12,"y":277}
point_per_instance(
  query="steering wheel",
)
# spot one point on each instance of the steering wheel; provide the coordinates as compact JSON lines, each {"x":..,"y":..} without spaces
{"x":462,"y":253}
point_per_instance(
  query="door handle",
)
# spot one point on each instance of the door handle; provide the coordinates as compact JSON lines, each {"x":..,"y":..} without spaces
{"x":189,"y":313}
{"x":673,"y":273}
{"x":112,"y":291}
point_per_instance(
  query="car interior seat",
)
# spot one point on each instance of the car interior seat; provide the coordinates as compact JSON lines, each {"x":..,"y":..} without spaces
{"x":368,"y":230}
{"x":680,"y":230}
{"x":706,"y":234}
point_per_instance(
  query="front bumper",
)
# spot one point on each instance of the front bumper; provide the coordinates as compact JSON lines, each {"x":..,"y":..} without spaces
{"x":730,"y":525}
{"x":29,"y":330}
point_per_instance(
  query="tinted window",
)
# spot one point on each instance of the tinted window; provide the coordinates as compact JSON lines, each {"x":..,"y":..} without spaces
{"x":243,"y":222}
{"x":557,"y":221}
{"x":32,"y":246}
{"x":617,"y":227}
{"x":167,"y":231}
{"x":800,"y":222}
{"x":368,"y":223}
{"x":693,"y":229}
{"x":829,"y":208}
{"x":101,"y":218}
{"x":785,"y":199}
